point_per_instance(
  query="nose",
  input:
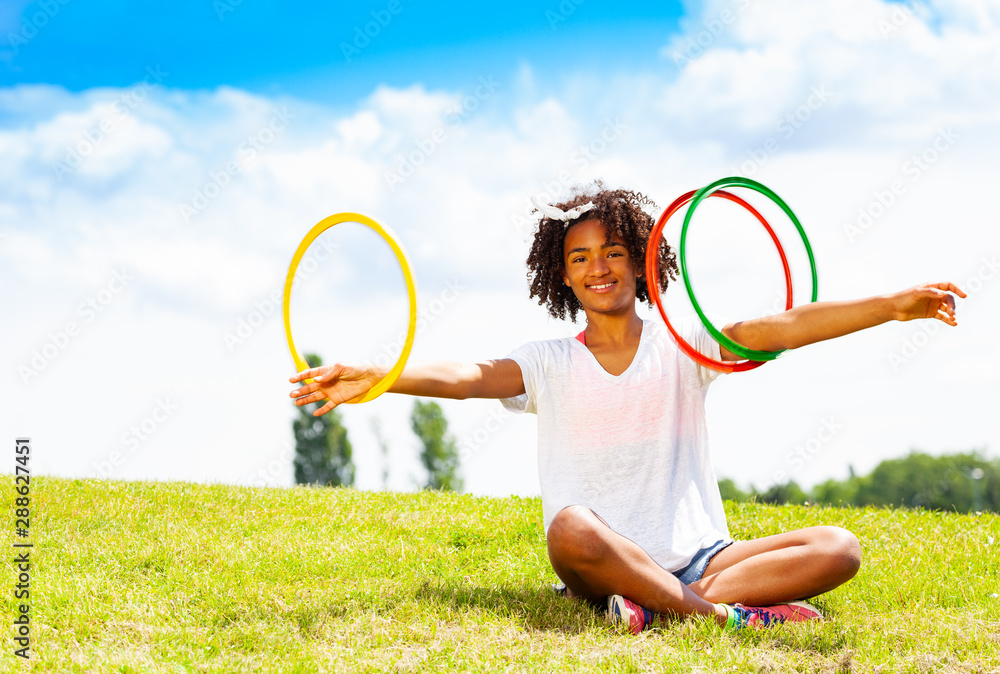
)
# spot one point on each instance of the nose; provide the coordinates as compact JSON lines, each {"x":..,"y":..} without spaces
{"x":599,"y":266}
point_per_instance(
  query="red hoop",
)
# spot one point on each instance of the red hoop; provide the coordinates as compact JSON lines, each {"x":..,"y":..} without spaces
{"x":653,"y":275}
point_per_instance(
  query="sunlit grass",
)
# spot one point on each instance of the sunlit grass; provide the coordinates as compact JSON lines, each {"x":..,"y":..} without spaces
{"x":138,"y":577}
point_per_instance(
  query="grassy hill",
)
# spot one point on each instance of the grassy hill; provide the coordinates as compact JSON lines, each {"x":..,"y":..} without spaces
{"x":148,"y":577}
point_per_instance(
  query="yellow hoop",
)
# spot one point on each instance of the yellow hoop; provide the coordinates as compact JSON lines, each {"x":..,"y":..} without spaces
{"x":411,"y":290}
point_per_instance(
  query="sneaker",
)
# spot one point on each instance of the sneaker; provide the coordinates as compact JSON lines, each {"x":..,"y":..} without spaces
{"x":764,"y":616}
{"x":622,"y":611}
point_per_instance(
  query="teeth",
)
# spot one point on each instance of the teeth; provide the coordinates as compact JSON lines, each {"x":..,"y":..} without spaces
{"x":601,"y":287}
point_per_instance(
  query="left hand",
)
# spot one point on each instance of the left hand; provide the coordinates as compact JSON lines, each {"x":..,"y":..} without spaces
{"x":928,"y":300}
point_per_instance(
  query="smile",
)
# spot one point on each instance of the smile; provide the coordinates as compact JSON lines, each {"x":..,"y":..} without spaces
{"x":603,"y":287}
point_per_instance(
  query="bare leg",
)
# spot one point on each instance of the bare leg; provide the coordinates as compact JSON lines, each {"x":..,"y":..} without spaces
{"x":595,"y":562}
{"x":781,"y":568}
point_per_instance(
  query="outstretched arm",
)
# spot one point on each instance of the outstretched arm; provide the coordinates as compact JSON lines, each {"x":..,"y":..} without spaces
{"x":819,"y":321}
{"x":343,"y":382}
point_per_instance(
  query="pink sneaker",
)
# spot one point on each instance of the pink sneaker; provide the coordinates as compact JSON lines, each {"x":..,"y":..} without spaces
{"x":622,"y":611}
{"x":764,"y":616}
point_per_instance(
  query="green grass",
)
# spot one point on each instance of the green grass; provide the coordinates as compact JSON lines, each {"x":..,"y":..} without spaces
{"x":148,"y":577}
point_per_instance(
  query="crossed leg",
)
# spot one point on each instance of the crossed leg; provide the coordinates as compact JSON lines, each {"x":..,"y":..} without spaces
{"x":594,"y":561}
{"x":780,"y":568}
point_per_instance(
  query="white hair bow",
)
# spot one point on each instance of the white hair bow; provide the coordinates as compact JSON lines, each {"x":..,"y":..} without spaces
{"x":557,"y":213}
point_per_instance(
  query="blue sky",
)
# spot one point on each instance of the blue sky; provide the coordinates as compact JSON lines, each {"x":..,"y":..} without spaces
{"x":274,"y":48}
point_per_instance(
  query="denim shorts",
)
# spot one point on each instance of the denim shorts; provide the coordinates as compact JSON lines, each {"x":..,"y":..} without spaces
{"x":696,"y":569}
{"x":689,"y":574}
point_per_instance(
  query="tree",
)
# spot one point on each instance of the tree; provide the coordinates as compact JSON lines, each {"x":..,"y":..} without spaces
{"x":836,"y":492}
{"x":322,"y":450}
{"x":790,"y":492}
{"x":961,"y":482}
{"x":730,"y":492}
{"x":439,"y":455}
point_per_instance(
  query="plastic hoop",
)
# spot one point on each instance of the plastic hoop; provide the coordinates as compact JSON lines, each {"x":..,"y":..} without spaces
{"x":411,"y":290}
{"x":735,"y":181}
{"x":652,"y":276}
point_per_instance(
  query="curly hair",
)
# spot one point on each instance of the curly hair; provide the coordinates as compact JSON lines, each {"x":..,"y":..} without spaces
{"x":621,"y":212}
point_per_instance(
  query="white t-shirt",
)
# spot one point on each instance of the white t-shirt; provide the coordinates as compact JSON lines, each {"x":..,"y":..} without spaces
{"x":633,"y":448}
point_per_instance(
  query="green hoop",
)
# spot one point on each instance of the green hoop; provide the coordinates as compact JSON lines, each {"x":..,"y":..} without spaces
{"x":702,"y":194}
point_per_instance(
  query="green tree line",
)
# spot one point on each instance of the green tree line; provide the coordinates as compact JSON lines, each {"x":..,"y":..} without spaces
{"x":966,"y":482}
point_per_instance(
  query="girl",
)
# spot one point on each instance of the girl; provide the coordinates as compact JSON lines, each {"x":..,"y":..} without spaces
{"x":633,"y":515}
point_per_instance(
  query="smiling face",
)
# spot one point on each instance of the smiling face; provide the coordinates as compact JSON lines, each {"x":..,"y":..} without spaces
{"x":599,"y":269}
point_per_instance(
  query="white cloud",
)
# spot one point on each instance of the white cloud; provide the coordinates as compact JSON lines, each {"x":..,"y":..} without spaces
{"x":747,"y":103}
{"x":886,"y":78}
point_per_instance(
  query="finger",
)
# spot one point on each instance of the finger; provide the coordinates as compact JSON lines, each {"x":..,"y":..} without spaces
{"x":947,"y":305}
{"x":949,"y":287}
{"x":312,"y":398}
{"x":305,"y":374}
{"x":305,"y":389}
{"x":946,"y":318}
{"x":946,"y":299}
{"x":325,"y":408}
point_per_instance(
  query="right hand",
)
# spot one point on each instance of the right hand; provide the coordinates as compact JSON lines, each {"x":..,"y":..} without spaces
{"x":339,"y":383}
{"x":930,"y":300}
